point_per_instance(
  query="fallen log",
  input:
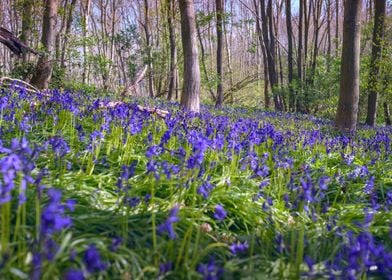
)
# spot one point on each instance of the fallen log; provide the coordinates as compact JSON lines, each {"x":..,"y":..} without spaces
{"x":152,"y":110}
{"x":20,"y":84}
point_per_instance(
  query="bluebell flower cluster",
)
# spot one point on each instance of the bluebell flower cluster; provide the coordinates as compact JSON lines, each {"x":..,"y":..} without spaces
{"x":211,"y":270}
{"x":220,"y":213}
{"x":167,"y":226}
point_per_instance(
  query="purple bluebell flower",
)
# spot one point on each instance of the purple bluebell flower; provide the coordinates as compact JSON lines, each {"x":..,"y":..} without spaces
{"x":323,"y":182}
{"x":369,"y":186}
{"x":70,"y":204}
{"x":153,"y":151}
{"x":116,"y":243}
{"x":74,"y":274}
{"x":37,"y":266}
{"x":92,"y":259}
{"x":205,"y":188}
{"x":388,"y":199}
{"x":309,"y":262}
{"x":220,"y":213}
{"x":50,"y":248}
{"x":59,"y":146}
{"x":165,"y":267}
{"x":167,"y":226}
{"x":238,"y":247}
{"x":53,"y":218}
{"x":210,"y":271}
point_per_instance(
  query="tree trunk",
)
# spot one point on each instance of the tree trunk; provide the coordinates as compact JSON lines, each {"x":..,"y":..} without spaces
{"x":337,"y":28}
{"x":173,"y":49}
{"x":290,"y":54}
{"x":219,"y":51}
{"x":378,"y":34}
{"x":67,"y":32}
{"x":190,"y":96}
{"x":86,"y":14}
{"x":316,"y":17}
{"x":203,"y":62}
{"x":267,"y":101}
{"x":329,"y":46}
{"x":43,"y":72}
{"x":347,"y":112}
{"x":269,"y":42}
{"x":229,"y":46}
{"x":299,"y":55}
{"x":387,"y":114}
{"x":27,"y":23}
{"x":148,"y":47}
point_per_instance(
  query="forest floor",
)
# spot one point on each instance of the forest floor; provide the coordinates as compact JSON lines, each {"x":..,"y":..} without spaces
{"x":90,"y":191}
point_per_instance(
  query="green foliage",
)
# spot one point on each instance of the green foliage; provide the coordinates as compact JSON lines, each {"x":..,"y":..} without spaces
{"x":22,"y":70}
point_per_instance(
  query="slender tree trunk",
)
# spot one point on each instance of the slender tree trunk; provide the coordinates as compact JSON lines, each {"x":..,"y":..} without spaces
{"x":387,"y":114}
{"x":329,"y":44}
{"x":347,"y":112}
{"x":67,"y":32}
{"x":27,"y":23}
{"x":148,"y":47}
{"x":299,"y":55}
{"x":203,"y":62}
{"x":228,"y":47}
{"x":173,"y":48}
{"x":269,"y":42}
{"x":316,"y":16}
{"x":378,"y":35}
{"x":86,"y":15}
{"x":307,"y":11}
{"x":43,"y":72}
{"x":219,"y":51}
{"x":267,"y":100}
{"x":190,"y":96}
{"x":337,"y":28}
{"x":290,"y":54}
{"x":272,"y":50}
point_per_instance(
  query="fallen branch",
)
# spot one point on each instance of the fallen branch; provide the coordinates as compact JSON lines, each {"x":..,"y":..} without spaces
{"x":28,"y":87}
{"x":160,"y":113}
{"x":14,"y":44}
{"x":132,"y":87}
{"x":241,"y":84}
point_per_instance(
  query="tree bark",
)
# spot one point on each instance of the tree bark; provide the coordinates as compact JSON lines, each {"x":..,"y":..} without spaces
{"x":378,"y":35}
{"x":148,"y":46}
{"x":43,"y":72}
{"x":347,"y":112}
{"x":337,"y":28}
{"x":290,"y":54}
{"x":267,"y":100}
{"x":190,"y":96}
{"x":219,"y":51}
{"x":329,"y":44}
{"x":299,"y":54}
{"x":86,"y":14}
{"x":269,"y":42}
{"x":316,"y":17}
{"x":27,"y":23}
{"x":67,"y":32}
{"x":203,"y":62}
{"x":387,"y":114}
{"x":173,"y":48}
